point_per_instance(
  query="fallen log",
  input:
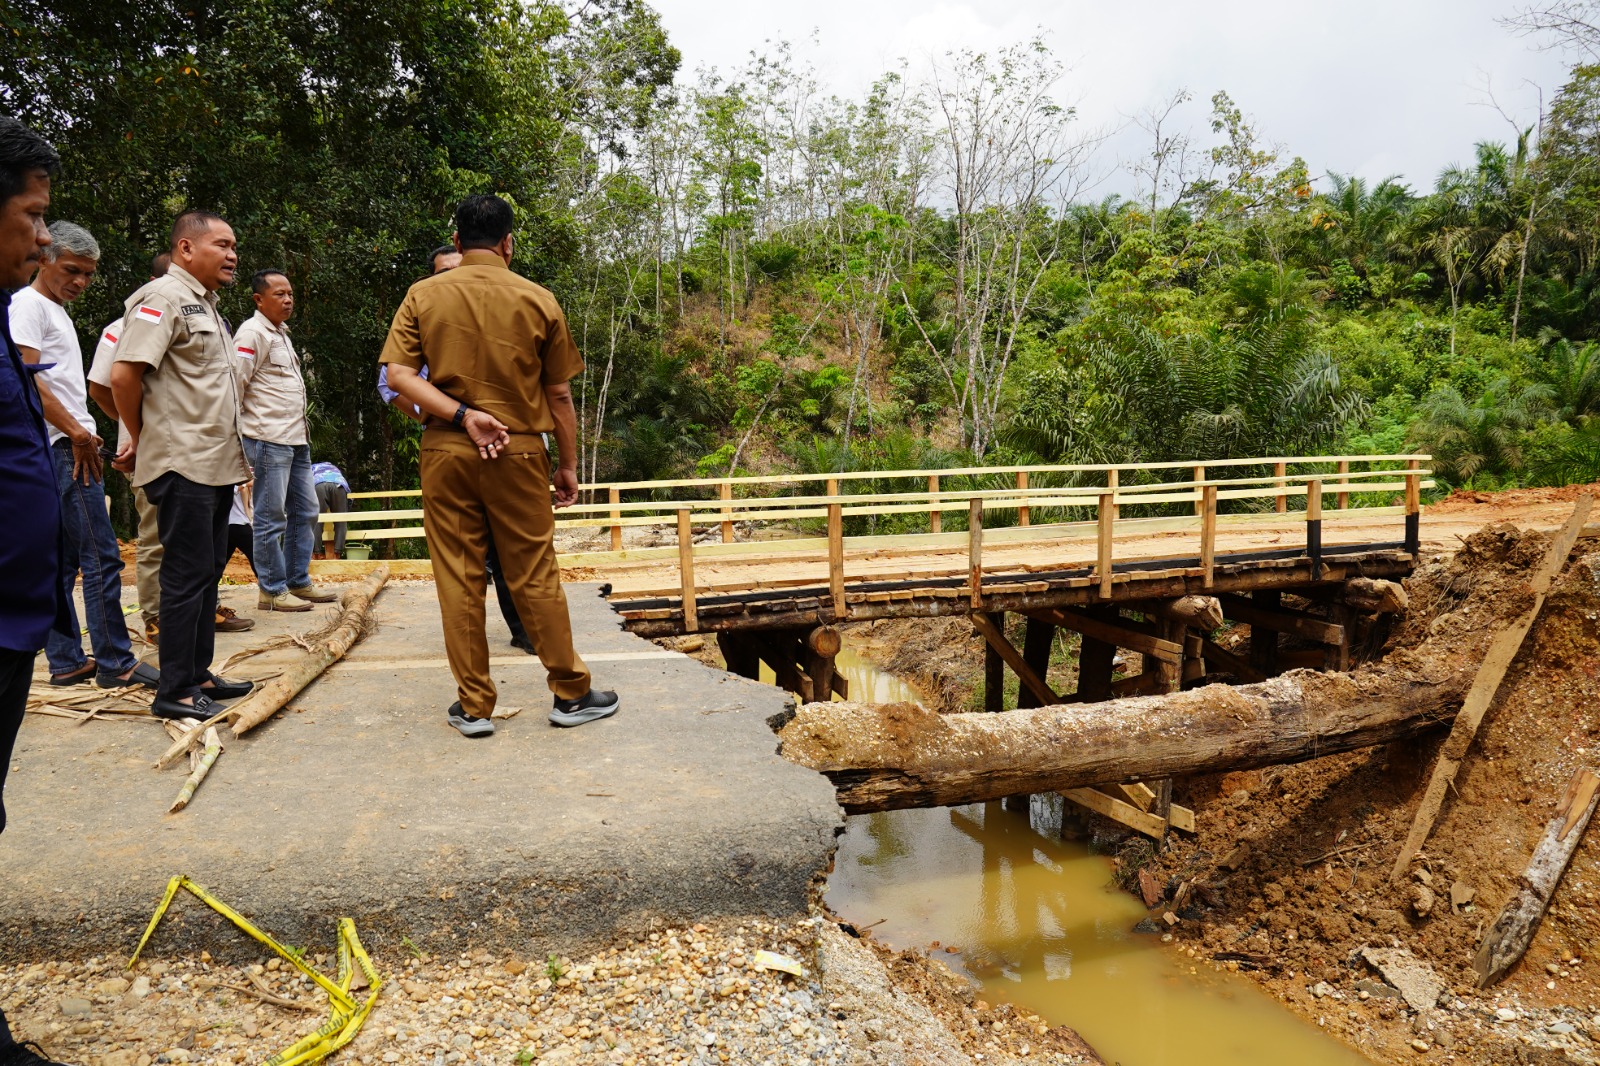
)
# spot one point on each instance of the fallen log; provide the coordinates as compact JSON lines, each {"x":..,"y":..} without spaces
{"x":1511,"y":934}
{"x":887,"y":757}
{"x":324,"y":650}
{"x":1200,"y":612}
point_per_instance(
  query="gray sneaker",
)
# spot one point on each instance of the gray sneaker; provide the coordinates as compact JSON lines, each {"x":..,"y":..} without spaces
{"x":591,"y":706}
{"x":467,"y":725}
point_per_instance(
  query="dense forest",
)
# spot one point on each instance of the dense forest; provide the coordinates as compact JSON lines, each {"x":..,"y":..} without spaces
{"x":767,"y":276}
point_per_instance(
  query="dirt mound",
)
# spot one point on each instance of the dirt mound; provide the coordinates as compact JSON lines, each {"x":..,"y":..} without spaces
{"x":1289,"y":874}
{"x":1466,"y":499}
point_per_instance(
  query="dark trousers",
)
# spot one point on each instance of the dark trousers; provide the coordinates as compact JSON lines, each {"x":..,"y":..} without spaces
{"x":502,"y":593}
{"x":193,"y":523}
{"x":240,"y":539}
{"x":16,"y":674}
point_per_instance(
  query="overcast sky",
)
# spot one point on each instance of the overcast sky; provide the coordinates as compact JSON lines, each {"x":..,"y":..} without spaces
{"x":1373,"y":87}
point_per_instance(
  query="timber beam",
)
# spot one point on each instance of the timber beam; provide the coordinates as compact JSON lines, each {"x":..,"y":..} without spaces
{"x":997,"y":642}
{"x":1282,"y":620}
{"x":1119,"y":634}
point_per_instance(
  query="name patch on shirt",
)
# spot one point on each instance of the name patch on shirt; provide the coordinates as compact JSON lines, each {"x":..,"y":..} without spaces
{"x":148,"y":313}
{"x":192,"y":309}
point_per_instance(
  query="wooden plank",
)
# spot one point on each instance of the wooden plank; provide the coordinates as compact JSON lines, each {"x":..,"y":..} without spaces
{"x":1281,"y":619}
{"x":836,"y":561}
{"x":1509,"y":938}
{"x":1116,"y":634}
{"x":1221,"y":658}
{"x":1208,"y":534}
{"x":1502,"y":652}
{"x":1113,"y":483}
{"x":691,"y":622}
{"x":935,"y":516}
{"x":725,"y":490}
{"x":994,"y":667}
{"x":1199,"y":500}
{"x":975,"y":552}
{"x":1022,"y":486}
{"x":616,"y":530}
{"x":1279,"y":471}
{"x":1014,"y":659}
{"x":1119,"y":811}
{"x":1138,"y":794}
{"x":1344,"y":484}
{"x":1182,"y":818}
{"x":1103,"y":564}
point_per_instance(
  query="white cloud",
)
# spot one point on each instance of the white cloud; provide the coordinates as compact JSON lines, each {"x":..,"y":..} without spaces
{"x":1372,"y":87}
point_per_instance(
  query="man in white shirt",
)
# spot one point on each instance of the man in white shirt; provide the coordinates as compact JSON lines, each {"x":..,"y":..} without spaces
{"x":272,"y":422}
{"x":45,"y":335}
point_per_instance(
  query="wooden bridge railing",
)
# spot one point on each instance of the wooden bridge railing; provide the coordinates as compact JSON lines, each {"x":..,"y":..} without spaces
{"x":1188,"y":496}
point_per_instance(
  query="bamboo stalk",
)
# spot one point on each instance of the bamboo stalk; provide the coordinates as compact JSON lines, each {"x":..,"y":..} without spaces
{"x":208,"y":759}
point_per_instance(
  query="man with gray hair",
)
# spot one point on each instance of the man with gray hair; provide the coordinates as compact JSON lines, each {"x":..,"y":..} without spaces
{"x":45,"y":335}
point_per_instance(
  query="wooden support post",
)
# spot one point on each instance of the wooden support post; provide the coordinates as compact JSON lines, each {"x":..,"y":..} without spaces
{"x":1194,"y":662}
{"x":994,"y":667}
{"x":1280,"y":471}
{"x":836,"y":555}
{"x":822,"y":645}
{"x":1095,"y":661}
{"x":1314,"y":526}
{"x":1031,"y":681}
{"x":781,"y":650}
{"x":1337,"y":656}
{"x":691,"y":617}
{"x":615,"y":495}
{"x":1103,"y":561}
{"x":1263,"y":637}
{"x":975,"y":550}
{"x":1037,"y":643}
{"x":726,"y":492}
{"x":1200,"y":501}
{"x":740,"y":656}
{"x":935,"y":516}
{"x":1208,"y":534}
{"x":1413,"y":506}
{"x":1022,"y":508}
{"x":1114,"y":482}
{"x":1230,"y":663}
{"x":1344,"y":484}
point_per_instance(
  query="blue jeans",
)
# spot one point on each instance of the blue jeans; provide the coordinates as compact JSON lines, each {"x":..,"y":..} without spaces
{"x":91,"y":546}
{"x":286,"y":513}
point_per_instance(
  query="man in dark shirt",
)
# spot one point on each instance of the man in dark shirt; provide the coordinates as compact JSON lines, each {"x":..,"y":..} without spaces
{"x":30,"y":552}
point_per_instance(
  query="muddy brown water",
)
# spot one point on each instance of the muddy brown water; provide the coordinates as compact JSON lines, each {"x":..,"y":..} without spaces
{"x":1036,"y":922}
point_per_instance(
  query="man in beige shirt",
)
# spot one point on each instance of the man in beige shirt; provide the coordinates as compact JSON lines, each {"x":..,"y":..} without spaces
{"x":173,"y":382}
{"x":272,"y":422}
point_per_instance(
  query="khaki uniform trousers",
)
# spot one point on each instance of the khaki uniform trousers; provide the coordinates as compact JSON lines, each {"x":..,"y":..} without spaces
{"x":464,"y":497}
{"x":147,"y":557}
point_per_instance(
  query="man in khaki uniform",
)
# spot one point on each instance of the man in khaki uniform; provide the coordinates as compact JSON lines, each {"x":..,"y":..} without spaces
{"x":499,"y":357}
{"x":277,"y":442}
{"x":173,"y":383}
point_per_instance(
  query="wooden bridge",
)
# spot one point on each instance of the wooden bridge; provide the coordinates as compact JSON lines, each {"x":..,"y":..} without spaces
{"x":1113,"y":553}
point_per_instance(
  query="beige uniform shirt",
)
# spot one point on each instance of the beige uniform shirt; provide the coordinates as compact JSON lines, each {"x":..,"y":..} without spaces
{"x":190,"y":412}
{"x":100,"y":368}
{"x":272,"y":392}
{"x":489,"y":338}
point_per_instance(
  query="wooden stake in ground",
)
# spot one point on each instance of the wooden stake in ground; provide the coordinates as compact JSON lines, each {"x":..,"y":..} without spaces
{"x":1508,"y":939}
{"x":208,"y":758}
{"x":1490,"y":673}
{"x":269,"y":698}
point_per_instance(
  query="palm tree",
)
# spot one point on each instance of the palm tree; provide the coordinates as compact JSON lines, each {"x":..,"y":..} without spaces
{"x":1357,"y":222}
{"x":1481,"y":438}
{"x":1573,"y":377}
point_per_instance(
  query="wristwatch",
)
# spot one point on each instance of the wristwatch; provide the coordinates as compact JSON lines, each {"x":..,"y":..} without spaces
{"x":461,"y":416}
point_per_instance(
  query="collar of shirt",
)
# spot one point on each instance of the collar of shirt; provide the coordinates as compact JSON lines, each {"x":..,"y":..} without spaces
{"x":484,"y":257}
{"x":182,"y":275}
{"x":265,"y":323}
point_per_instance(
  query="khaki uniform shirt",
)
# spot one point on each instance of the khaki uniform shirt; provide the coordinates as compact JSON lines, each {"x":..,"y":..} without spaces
{"x":100,"y":368}
{"x":190,"y":412}
{"x":272,"y":392}
{"x":489,"y":338}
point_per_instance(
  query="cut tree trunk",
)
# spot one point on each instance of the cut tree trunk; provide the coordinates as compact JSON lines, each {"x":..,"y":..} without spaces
{"x":896,"y":756}
{"x":1511,"y":934}
{"x":269,"y":698}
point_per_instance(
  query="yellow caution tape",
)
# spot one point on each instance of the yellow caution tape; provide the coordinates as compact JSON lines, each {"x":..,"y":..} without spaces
{"x":345,"y":1016}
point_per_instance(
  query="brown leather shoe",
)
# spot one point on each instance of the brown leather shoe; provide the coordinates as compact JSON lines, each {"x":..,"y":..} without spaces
{"x":228,"y":621}
{"x":152,"y":629}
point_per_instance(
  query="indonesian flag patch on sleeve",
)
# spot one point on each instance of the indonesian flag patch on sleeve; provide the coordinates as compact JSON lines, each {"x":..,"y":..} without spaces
{"x":108,"y":338}
{"x":146,"y":313}
{"x":248,"y":353}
